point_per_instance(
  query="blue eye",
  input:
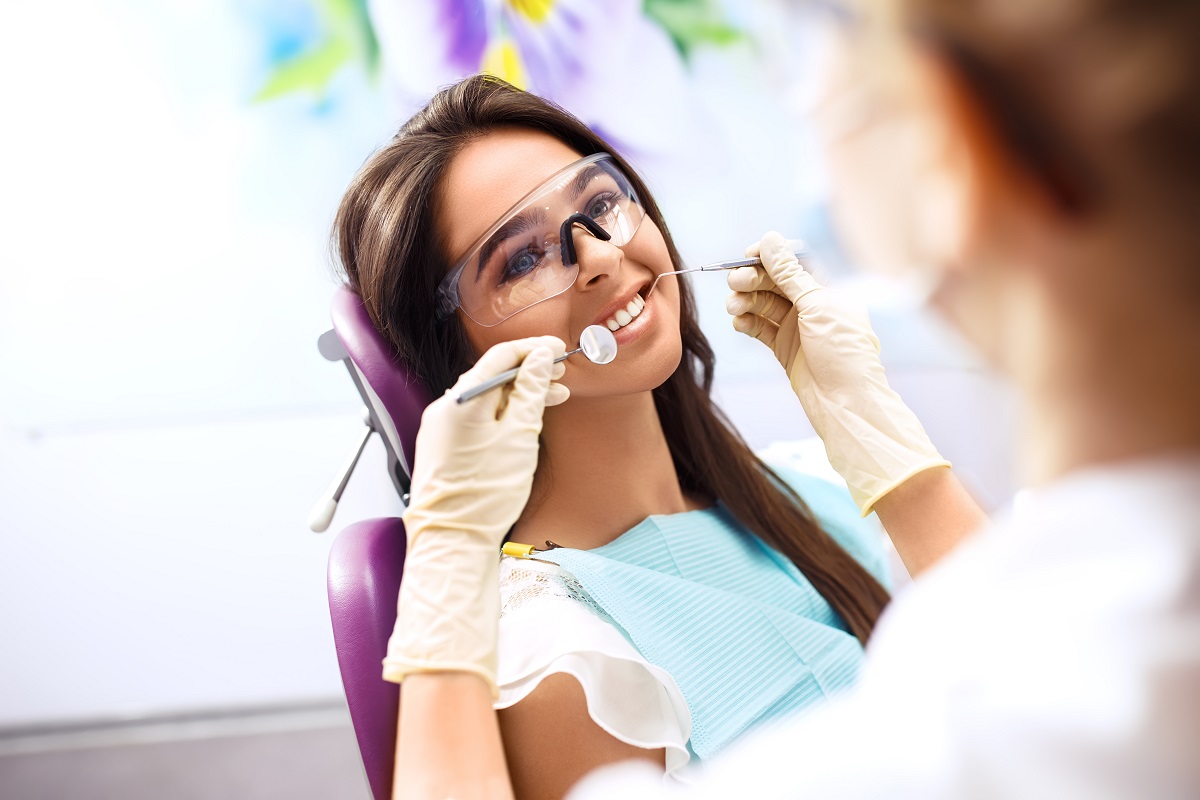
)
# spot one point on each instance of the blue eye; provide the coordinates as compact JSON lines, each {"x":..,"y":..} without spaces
{"x":601,"y":205}
{"x":521,"y":264}
{"x":598,"y":209}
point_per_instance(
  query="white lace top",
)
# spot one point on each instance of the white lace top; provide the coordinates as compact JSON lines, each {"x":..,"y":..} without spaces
{"x":548,"y":625}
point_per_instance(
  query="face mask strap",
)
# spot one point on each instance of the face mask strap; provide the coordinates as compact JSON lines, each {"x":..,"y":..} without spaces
{"x":566,"y":236}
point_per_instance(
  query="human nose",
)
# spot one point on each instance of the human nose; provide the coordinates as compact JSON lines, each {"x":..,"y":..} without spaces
{"x":597,"y":258}
{"x":566,"y":235}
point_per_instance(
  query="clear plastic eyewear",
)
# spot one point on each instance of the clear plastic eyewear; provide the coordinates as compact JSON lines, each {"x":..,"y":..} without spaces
{"x":528,"y":255}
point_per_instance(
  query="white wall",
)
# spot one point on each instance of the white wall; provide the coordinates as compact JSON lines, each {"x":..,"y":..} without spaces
{"x":165,"y":419}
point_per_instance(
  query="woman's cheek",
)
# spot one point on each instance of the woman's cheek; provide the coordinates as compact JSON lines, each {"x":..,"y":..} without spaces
{"x":548,"y":318}
{"x":663,"y":362}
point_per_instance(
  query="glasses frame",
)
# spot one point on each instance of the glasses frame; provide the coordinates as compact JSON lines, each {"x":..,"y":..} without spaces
{"x":448,"y":299}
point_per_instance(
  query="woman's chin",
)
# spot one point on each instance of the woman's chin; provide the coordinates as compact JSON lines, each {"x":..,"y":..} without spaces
{"x":630,"y":373}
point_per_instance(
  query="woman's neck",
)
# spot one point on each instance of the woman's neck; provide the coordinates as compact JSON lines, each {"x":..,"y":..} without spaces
{"x":604,"y":467}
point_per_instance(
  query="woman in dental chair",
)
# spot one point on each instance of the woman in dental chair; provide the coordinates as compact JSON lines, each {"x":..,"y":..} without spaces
{"x":681,"y":591}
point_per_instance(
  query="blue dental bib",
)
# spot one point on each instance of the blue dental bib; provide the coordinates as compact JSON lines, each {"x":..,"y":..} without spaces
{"x":744,"y":634}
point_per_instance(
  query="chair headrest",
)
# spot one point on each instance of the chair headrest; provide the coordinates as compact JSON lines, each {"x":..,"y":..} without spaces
{"x":394,"y":395}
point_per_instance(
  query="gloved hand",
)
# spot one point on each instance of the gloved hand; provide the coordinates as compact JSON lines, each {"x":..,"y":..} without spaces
{"x":472,"y":476}
{"x":831,"y":356}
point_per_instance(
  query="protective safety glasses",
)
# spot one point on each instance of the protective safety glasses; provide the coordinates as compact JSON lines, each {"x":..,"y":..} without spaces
{"x":528,"y":255}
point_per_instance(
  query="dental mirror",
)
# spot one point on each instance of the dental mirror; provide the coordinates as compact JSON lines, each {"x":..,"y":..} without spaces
{"x":597,"y":344}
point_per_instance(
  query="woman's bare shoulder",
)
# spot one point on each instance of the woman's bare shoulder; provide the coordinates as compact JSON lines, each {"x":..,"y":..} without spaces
{"x":551,"y":742}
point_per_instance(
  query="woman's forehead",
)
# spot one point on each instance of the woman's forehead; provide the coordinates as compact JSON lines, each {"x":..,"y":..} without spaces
{"x":492,"y":173}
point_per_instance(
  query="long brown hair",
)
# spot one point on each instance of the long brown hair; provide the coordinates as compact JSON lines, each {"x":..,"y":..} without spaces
{"x":386,"y":239}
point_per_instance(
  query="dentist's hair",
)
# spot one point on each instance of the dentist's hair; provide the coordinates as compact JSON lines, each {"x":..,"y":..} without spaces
{"x":386,"y":238}
{"x":1098,"y":99}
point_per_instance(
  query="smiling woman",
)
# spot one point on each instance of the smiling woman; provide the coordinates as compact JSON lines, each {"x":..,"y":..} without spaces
{"x":674,"y":553}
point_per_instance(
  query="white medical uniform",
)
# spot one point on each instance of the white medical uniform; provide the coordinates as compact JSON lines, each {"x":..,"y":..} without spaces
{"x":1055,"y":655}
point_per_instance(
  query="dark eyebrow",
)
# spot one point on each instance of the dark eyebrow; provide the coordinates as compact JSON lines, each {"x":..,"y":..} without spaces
{"x":514,"y":227}
{"x":580,"y":182}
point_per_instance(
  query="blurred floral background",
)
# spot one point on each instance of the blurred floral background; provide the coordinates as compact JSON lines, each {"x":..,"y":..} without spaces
{"x":693,"y":91}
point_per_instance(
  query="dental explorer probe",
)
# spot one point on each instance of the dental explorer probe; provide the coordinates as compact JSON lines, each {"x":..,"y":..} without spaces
{"x":596,"y":343}
{"x":800,"y":252}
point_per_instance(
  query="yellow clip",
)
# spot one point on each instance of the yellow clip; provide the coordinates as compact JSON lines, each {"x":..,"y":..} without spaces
{"x":518,"y":550}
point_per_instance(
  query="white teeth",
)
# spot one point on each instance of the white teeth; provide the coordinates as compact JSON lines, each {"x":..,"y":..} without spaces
{"x":626,"y":315}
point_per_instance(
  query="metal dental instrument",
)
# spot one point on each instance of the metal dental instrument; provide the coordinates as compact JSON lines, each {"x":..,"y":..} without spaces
{"x":322,"y":513}
{"x":717,"y":266}
{"x":596,"y":343}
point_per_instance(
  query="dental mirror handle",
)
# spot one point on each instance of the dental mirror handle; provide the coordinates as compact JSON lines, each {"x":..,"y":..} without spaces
{"x":501,"y":379}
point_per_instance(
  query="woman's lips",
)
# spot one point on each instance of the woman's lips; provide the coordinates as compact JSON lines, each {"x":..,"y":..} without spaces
{"x":638,"y":326}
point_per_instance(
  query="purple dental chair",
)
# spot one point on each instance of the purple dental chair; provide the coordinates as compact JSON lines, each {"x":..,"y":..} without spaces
{"x":367,"y":557}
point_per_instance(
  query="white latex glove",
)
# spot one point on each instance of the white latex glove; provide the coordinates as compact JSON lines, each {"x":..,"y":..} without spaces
{"x":831,"y":356}
{"x":474,"y":466}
